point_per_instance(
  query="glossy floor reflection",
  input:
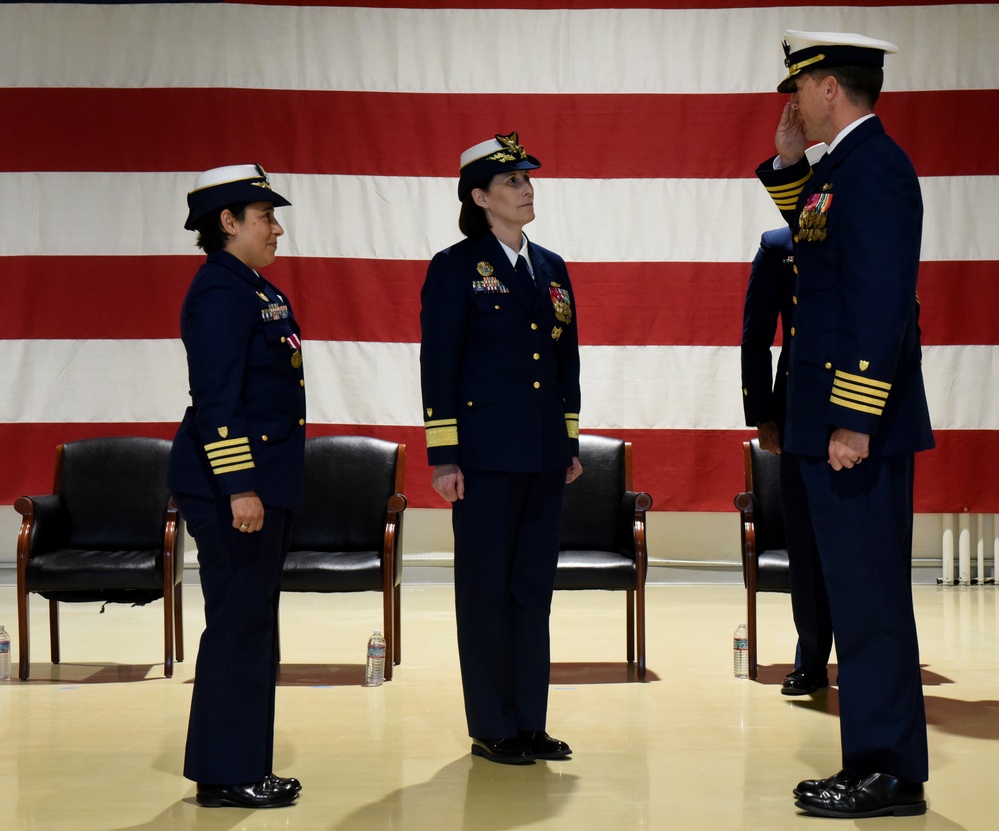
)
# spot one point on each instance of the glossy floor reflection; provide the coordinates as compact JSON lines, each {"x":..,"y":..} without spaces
{"x":97,"y":742}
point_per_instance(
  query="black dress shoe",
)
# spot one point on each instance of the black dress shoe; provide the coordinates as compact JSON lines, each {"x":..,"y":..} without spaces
{"x":875,"y":795}
{"x":801,"y":683}
{"x":544,"y":746}
{"x":511,"y":751}
{"x":271,"y":793}
{"x":839,"y":781}
{"x":293,"y":783}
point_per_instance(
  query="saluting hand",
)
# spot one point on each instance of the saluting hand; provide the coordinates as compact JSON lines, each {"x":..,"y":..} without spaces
{"x":790,"y":139}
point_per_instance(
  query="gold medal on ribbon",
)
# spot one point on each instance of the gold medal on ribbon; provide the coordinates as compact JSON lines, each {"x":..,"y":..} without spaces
{"x":296,"y":360}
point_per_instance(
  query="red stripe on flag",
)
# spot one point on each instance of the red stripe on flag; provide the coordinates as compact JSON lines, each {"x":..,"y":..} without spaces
{"x":653,"y":136}
{"x":642,"y":304}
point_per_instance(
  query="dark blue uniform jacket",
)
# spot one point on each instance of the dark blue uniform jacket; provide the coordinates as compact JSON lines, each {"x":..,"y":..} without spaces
{"x":855,"y":352}
{"x":770,"y":293}
{"x":499,"y":360}
{"x":245,"y":430}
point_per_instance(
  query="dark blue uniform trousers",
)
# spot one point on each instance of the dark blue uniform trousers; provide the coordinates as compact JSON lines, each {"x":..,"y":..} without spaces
{"x":809,"y":603}
{"x":506,"y":536}
{"x":230,"y":738}
{"x":863,"y":529}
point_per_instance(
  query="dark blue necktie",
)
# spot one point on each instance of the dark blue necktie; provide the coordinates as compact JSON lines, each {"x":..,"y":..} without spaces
{"x":523,"y":267}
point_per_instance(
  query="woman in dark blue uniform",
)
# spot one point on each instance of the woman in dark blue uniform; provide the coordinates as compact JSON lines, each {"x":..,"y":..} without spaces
{"x":500,"y":375}
{"x":236,"y":475}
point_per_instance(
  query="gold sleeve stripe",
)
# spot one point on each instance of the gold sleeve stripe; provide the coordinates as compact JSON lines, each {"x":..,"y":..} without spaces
{"x":218,"y":445}
{"x":229,"y":451}
{"x":854,"y":406}
{"x":782,"y":190}
{"x":860,"y":399}
{"x":572,"y":425}
{"x":786,"y":196}
{"x":860,"y":379}
{"x":233,"y":468}
{"x":861,"y":394}
{"x":444,"y":436}
{"x":219,"y":465}
{"x":230,"y":455}
{"x":860,"y":391}
{"x":441,"y":422}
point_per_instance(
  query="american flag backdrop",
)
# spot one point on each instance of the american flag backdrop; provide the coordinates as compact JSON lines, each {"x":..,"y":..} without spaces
{"x":649,"y":117}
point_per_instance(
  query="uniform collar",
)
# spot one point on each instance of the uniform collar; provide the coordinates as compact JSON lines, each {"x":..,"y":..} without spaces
{"x":236,"y":265}
{"x":846,"y":131}
{"x":524,"y":251}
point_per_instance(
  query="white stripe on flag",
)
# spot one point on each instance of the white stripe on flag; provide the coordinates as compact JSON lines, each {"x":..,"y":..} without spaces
{"x":658,"y":51}
{"x":624,"y":387}
{"x":410,"y":218}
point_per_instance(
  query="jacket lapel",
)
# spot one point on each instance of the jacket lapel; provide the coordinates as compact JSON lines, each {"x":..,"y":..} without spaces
{"x":521,"y":285}
{"x":543,"y":272}
{"x":824,"y":167}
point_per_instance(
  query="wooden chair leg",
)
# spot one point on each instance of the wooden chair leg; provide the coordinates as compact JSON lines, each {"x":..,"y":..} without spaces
{"x":388,"y":629}
{"x":168,"y":634}
{"x":23,"y":639}
{"x":178,"y":621}
{"x":54,"y":630}
{"x":751,"y":625}
{"x":640,"y":615}
{"x":630,"y":623}
{"x":397,"y":620}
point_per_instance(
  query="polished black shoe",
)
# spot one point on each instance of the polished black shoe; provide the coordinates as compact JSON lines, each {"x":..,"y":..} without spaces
{"x":271,"y":793}
{"x":292,"y":782}
{"x":838,"y":781}
{"x":800,"y":683}
{"x":875,"y":795}
{"x":544,"y":746}
{"x":511,"y":751}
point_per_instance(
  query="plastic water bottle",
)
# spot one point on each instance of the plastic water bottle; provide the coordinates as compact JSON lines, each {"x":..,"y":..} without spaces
{"x":740,"y":651}
{"x":4,"y":655}
{"x":374,"y":668}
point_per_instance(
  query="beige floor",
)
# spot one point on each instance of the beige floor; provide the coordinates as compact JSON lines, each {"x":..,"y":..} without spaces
{"x":97,"y":742}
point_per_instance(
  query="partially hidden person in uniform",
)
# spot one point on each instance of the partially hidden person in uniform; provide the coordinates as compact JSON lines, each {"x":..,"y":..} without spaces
{"x":236,"y":473}
{"x":500,"y":374}
{"x":770,"y":295}
{"x":856,"y":405}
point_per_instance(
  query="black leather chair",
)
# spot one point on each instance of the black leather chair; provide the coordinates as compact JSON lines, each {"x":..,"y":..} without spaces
{"x":603,"y":543}
{"x":764,"y":545}
{"x":109,"y":532}
{"x":348,"y":537}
